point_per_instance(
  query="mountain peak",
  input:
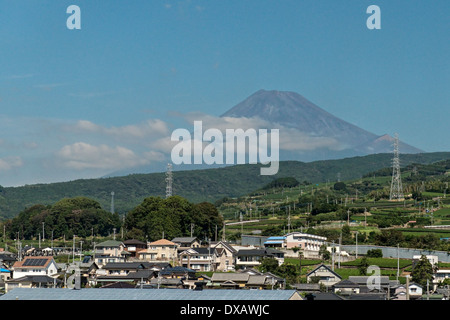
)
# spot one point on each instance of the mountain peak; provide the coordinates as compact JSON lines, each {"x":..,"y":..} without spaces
{"x":291,"y":110}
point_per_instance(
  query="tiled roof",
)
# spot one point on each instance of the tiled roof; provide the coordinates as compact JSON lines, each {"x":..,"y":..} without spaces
{"x":162,"y":242}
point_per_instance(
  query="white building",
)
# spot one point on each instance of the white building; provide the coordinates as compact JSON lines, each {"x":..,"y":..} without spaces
{"x":35,"y":266}
{"x":304,"y":241}
{"x":441,"y":275}
{"x":433,"y":259}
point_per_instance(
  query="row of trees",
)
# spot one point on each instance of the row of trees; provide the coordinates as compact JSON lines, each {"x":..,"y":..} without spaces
{"x":83,"y":217}
{"x":172,"y":217}
{"x":73,"y":216}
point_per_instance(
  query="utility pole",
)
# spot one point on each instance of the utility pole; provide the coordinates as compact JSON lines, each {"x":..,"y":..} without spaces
{"x":81,"y":249}
{"x":398,"y":261}
{"x":73,"y":250}
{"x":332,"y":257}
{"x":340,"y":242}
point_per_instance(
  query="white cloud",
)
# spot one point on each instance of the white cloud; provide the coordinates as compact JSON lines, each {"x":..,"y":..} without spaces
{"x":291,"y":139}
{"x":9,"y":163}
{"x":82,"y":156}
{"x":147,"y":129}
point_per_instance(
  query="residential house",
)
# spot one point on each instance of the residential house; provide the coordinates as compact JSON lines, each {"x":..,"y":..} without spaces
{"x":134,"y":246}
{"x":160,"y":250}
{"x":7,"y":258}
{"x":5,"y":274}
{"x":161,"y":282}
{"x":35,"y":265}
{"x":230,"y":280}
{"x":368,"y":284}
{"x":178,"y":272}
{"x":248,"y":279}
{"x":323,"y":275}
{"x":109,"y":251}
{"x":199,"y":259}
{"x":440,"y":275}
{"x":88,"y":271}
{"x":249,"y":258}
{"x":134,"y":272}
{"x":226,"y":256}
{"x":399,"y":292}
{"x":33,"y":281}
{"x":187,"y":276}
{"x":185,"y":243}
{"x":346,"y":287}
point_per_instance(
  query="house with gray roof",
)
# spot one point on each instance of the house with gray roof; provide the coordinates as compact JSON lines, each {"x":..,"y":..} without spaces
{"x":110,"y":251}
{"x":249,"y":258}
{"x":323,"y":275}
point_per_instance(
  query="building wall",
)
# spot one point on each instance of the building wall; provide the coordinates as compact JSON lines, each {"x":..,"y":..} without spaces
{"x":391,"y":252}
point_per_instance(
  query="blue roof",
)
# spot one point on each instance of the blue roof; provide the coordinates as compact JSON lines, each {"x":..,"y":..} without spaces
{"x":4,"y":270}
{"x":144,"y":294}
{"x":276,"y":238}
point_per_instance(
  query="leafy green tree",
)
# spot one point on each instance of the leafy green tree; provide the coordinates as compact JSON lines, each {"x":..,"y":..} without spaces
{"x":389,"y":237}
{"x":422,"y":272}
{"x":67,"y":217}
{"x":374,"y":253}
{"x":173,"y":217}
{"x":287,"y":271}
{"x":363,"y":265}
{"x":324,"y":253}
{"x":268,"y":264}
{"x":340,"y":186}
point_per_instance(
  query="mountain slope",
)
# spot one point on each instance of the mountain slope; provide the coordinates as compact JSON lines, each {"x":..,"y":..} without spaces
{"x":197,"y":185}
{"x":291,"y":110}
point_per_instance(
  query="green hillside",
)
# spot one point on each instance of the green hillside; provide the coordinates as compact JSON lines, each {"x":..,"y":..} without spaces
{"x":197,"y":185}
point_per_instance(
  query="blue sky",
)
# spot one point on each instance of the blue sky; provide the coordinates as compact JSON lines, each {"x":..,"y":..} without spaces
{"x":83,"y":103}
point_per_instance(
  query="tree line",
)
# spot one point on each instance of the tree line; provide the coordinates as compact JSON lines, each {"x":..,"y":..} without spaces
{"x":83,"y":217}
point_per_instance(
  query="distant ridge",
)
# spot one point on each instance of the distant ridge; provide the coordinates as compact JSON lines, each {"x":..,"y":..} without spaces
{"x":197,"y":185}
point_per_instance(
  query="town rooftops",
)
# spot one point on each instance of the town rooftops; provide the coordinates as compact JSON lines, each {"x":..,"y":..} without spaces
{"x":147,"y":294}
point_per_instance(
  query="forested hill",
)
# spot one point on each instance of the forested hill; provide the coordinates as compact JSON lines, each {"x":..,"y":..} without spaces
{"x":197,"y":185}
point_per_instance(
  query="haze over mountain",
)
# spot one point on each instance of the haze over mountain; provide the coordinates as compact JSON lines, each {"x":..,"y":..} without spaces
{"x":291,"y":110}
{"x":307,"y":132}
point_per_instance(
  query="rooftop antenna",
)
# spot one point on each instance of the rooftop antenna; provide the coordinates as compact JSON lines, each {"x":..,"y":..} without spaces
{"x":396,"y":184}
{"x":169,"y":180}
{"x":112,"y":202}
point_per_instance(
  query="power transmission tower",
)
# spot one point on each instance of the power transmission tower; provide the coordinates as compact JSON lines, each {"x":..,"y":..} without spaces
{"x":169,"y":180}
{"x":396,"y":184}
